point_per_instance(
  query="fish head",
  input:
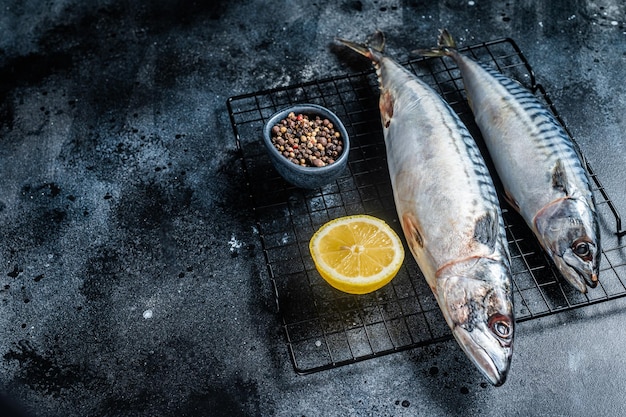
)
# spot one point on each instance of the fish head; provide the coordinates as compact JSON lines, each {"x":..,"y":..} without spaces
{"x":569,"y":232}
{"x":477,"y":303}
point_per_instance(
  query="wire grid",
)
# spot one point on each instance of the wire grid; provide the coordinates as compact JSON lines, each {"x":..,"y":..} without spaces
{"x":326,"y":328}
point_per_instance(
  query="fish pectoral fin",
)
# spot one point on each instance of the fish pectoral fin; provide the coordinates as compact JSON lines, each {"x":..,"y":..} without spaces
{"x":559,"y":177}
{"x":512,"y":202}
{"x":486,"y":229}
{"x":386,"y":107}
{"x":411,"y":228}
{"x":470,"y":102}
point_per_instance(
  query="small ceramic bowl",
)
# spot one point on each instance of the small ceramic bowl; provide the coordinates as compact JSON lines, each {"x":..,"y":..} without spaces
{"x":307,"y":177}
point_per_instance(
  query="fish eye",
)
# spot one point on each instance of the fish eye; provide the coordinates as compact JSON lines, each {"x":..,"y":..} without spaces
{"x":582,"y":249}
{"x":501,"y":326}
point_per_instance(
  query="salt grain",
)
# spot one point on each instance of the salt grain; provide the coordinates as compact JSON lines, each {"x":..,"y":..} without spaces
{"x":234,"y":243}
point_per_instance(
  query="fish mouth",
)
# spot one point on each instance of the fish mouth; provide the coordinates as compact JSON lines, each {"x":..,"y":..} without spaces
{"x":577,"y":278}
{"x":581,"y":280}
{"x":590,"y":279}
{"x":490,"y":357}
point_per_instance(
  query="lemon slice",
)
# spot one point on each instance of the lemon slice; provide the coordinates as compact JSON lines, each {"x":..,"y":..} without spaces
{"x":357,"y":254}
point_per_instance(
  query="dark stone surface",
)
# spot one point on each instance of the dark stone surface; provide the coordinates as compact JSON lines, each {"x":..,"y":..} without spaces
{"x":132,"y":279}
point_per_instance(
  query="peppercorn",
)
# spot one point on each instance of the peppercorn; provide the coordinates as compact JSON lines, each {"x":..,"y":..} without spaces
{"x":306,"y":142}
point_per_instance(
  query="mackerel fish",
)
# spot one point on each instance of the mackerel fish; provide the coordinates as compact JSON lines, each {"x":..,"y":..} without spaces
{"x":540,"y":167}
{"x":449,"y":212}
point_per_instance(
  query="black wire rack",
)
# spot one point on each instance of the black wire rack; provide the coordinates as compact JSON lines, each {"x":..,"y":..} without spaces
{"x":326,"y":328}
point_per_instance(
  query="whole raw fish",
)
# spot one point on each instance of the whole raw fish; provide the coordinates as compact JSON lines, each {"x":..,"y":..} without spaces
{"x":448,"y":207}
{"x":540,"y":168}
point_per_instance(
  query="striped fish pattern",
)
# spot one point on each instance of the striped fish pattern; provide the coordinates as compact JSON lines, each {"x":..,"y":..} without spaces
{"x":449,"y":212}
{"x":540,"y":168}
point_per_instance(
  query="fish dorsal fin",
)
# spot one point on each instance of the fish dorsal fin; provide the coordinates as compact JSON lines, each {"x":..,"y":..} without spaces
{"x":512,"y":202}
{"x":559,"y":177}
{"x":486,"y":229}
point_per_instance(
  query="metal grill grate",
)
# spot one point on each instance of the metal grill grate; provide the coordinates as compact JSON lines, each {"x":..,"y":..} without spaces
{"x":325,"y":328}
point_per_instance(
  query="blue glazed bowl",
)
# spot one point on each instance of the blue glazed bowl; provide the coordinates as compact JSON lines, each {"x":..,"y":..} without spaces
{"x":307,"y":177}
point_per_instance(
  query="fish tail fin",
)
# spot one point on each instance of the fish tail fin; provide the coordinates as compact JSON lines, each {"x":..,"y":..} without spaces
{"x":445,"y":40}
{"x":445,"y":46}
{"x":372,"y":48}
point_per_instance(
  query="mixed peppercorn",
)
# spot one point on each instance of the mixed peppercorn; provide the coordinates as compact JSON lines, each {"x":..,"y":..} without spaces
{"x":306,"y":142}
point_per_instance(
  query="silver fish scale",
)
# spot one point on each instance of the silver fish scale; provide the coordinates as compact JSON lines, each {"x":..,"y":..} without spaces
{"x":487,"y":190}
{"x":448,"y":206}
{"x":483,"y":177}
{"x":540,"y":168}
{"x":548,"y":135}
{"x":464,"y":195}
